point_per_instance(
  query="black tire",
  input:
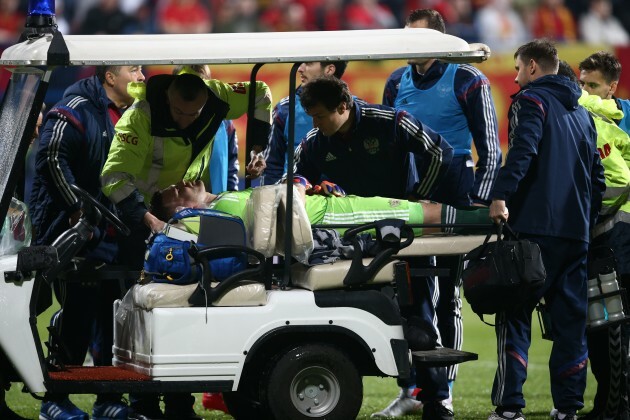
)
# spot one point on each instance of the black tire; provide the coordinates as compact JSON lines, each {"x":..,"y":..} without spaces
{"x":314,"y":381}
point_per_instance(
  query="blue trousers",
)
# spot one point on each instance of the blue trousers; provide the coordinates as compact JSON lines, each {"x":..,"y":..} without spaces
{"x":565,"y":295}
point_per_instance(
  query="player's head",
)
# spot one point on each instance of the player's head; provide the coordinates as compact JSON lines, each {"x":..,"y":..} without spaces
{"x":565,"y":69}
{"x":328,"y":101}
{"x":187,"y":94}
{"x":424,"y":18}
{"x":165,"y":202}
{"x":115,"y":80}
{"x":599,"y":74}
{"x":535,"y":59}
{"x":312,"y":69}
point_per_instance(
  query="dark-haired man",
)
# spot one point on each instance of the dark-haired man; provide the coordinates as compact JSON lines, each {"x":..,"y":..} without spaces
{"x":166,"y":136}
{"x":455,"y":101}
{"x":276,"y":153}
{"x":363,"y":148}
{"x":224,"y":164}
{"x":553,"y":183}
{"x":73,"y":147}
{"x":599,"y":75}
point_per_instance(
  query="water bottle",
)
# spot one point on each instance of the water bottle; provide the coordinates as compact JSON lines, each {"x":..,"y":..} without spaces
{"x":596,"y":311}
{"x":614,"y":307}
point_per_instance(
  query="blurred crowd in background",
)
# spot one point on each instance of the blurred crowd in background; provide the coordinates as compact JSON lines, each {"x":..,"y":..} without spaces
{"x":502,"y":24}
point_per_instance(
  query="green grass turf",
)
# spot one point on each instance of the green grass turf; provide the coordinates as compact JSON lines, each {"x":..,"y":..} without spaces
{"x":471,"y":393}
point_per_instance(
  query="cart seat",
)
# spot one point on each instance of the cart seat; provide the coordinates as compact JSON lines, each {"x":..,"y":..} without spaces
{"x":162,"y":295}
{"x":442,"y":244}
{"x":330,"y":276}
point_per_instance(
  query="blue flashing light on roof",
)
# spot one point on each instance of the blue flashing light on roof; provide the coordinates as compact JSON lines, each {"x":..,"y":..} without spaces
{"x":41,"y":22}
{"x":41,"y":7}
{"x":41,"y":16}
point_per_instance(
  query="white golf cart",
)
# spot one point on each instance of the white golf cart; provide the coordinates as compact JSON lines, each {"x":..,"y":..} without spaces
{"x":289,"y":352}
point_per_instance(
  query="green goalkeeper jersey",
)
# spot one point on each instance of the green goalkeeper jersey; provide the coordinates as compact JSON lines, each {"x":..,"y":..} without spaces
{"x":333,"y":210}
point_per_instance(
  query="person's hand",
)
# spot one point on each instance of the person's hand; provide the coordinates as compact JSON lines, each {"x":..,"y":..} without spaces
{"x":329,"y":188}
{"x":498,"y":211}
{"x":153,"y":223}
{"x":477,"y":46}
{"x":478,"y":205}
{"x":256,"y":165}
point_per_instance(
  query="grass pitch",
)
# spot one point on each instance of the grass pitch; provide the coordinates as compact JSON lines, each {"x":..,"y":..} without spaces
{"x":472,"y":389}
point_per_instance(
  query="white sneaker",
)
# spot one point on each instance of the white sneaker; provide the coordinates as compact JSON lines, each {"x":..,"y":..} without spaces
{"x":448,"y":403}
{"x":401,"y":406}
{"x":553,"y":412}
{"x":506,"y":415}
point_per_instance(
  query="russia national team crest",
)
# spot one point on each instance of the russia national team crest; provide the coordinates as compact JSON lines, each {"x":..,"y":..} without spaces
{"x":371,"y":145}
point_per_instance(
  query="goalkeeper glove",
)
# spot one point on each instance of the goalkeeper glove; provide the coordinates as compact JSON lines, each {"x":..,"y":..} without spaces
{"x":300,"y":180}
{"x":329,"y":188}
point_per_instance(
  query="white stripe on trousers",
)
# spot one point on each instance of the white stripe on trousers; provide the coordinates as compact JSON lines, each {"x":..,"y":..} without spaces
{"x":501,"y":326}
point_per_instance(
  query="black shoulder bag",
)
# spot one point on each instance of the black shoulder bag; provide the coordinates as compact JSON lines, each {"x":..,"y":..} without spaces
{"x":502,"y":275}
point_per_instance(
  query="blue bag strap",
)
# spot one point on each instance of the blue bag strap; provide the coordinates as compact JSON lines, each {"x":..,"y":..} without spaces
{"x":192,"y":212}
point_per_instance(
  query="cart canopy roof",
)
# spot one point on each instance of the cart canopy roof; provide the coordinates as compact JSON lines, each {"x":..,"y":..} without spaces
{"x":265,"y":47}
{"x":32,"y":61}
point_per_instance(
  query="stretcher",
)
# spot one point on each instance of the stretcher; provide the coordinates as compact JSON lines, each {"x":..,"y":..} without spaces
{"x":147,"y":307}
{"x":265,"y":220}
{"x":313,"y":278}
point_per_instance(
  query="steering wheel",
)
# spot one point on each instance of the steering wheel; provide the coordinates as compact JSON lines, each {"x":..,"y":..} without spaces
{"x":111,"y":217}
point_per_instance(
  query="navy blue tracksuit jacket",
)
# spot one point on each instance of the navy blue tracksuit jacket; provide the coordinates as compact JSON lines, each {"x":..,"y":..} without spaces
{"x":73,"y":147}
{"x":547,"y":192}
{"x":369,"y":160}
{"x":553,"y":184}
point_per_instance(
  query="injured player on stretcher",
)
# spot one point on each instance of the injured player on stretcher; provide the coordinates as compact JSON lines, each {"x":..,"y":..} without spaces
{"x":325,"y":209}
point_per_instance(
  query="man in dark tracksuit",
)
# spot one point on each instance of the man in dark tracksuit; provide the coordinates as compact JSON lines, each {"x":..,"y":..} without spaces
{"x":363,"y":148}
{"x":365,"y":151}
{"x":455,"y":101}
{"x":73,"y":147}
{"x":553,"y":183}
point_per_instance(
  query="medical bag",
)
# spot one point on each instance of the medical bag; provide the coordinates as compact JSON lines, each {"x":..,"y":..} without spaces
{"x":168,"y":260}
{"x":503,"y":275}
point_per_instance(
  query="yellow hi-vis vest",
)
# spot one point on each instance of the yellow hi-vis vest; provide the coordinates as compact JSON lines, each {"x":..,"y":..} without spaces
{"x":139,"y":160}
{"x":613,"y":145}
